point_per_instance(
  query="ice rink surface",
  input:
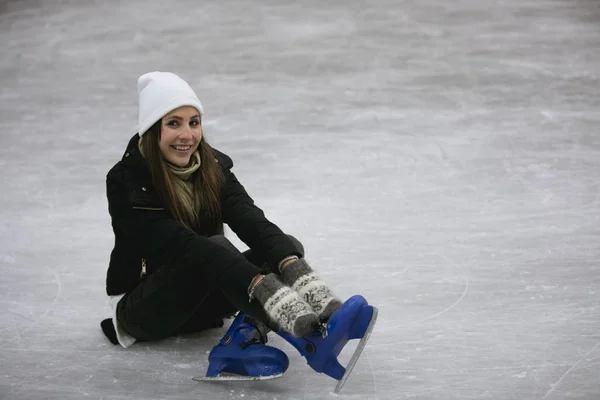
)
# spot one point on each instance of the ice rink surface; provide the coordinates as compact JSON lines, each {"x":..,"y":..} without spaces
{"x":442,"y":158}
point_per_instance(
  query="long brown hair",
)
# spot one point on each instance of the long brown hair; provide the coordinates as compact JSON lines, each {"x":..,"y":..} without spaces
{"x":207,"y":182}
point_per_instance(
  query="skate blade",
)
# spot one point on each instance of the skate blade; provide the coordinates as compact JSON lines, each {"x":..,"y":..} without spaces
{"x":357,"y":352}
{"x":233,"y":377}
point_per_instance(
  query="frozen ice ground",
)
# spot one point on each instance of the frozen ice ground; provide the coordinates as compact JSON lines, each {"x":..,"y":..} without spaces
{"x":441,"y":158}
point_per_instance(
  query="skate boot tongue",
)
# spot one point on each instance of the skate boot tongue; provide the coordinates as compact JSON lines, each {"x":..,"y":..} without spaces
{"x":256,"y":332}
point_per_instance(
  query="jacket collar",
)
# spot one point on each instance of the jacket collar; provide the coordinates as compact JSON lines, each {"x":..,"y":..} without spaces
{"x":132,"y":155}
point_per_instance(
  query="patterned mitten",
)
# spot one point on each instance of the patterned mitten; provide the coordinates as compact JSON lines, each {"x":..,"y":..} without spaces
{"x":284,"y":306}
{"x":300,"y":277}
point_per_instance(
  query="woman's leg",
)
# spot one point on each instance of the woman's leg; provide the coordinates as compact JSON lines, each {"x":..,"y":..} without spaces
{"x":169,"y":299}
{"x":208,"y":314}
{"x":219,"y":305}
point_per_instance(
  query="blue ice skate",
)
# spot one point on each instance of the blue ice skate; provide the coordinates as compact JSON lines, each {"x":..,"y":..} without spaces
{"x":242,"y":354}
{"x":355,"y":319}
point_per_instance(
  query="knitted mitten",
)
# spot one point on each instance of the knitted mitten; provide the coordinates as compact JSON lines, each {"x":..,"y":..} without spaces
{"x":284,"y":306}
{"x":301,"y":278}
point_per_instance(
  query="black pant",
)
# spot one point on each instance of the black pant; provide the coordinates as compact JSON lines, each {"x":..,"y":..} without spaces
{"x":173,"y":300}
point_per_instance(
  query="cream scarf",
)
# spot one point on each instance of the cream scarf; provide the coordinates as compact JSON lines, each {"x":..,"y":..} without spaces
{"x":184,"y":188}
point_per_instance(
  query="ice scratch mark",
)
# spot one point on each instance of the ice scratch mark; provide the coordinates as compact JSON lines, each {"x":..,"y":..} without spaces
{"x":451,"y":306}
{"x":478,"y":369}
{"x":545,"y":364}
{"x":558,"y":382}
{"x":372,"y":373}
{"x":36,"y":321}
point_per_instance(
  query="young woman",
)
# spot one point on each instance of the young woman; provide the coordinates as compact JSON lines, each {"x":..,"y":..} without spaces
{"x":172,"y":270}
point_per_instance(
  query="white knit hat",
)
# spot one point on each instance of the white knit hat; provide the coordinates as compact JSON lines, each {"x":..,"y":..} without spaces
{"x":161,"y":93}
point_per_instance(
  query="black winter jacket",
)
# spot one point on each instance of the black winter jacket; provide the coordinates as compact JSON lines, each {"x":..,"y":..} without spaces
{"x":145,"y":230}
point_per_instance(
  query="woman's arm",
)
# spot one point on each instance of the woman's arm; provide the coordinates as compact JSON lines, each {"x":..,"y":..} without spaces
{"x":250,"y":224}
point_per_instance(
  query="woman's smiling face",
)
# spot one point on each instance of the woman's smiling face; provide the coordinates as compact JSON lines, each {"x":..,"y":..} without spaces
{"x":181,"y":132}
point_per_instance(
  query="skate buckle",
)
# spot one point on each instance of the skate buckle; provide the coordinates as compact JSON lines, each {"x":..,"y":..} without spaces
{"x":322,"y":328}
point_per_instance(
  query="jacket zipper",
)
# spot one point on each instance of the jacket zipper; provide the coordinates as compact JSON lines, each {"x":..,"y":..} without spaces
{"x":143,"y":272}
